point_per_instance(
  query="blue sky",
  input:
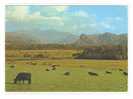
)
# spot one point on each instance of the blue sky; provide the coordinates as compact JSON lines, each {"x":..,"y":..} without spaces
{"x":87,"y":19}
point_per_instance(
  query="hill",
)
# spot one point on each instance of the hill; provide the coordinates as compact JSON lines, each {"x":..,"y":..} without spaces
{"x":101,"y":39}
{"x":54,"y":39}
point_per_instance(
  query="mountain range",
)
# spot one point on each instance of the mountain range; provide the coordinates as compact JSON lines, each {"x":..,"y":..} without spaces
{"x":58,"y":37}
{"x":101,"y":39}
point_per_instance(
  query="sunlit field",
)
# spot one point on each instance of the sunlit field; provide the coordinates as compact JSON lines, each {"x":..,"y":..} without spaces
{"x":55,"y":80}
{"x":71,"y":48}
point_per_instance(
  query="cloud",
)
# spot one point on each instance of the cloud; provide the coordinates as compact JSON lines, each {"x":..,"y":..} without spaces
{"x":112,"y":24}
{"x":38,"y":16}
{"x":81,"y":13}
{"x":21,"y":14}
{"x":52,"y":10}
{"x":51,"y":17}
{"x":59,"y":18}
{"x":16,"y":12}
{"x":60,"y":8}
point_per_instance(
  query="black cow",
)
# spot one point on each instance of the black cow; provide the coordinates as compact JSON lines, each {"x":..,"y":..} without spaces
{"x":92,"y":73}
{"x":47,"y":69}
{"x":108,"y":72}
{"x":22,"y":76}
{"x":125,"y":73}
{"x":120,"y":69}
{"x":67,"y":73}
{"x":12,"y":66}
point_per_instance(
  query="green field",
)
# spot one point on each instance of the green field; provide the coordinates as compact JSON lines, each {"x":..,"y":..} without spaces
{"x":55,"y":80}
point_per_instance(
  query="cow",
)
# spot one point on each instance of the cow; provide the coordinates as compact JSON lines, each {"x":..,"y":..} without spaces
{"x":22,"y":76}
{"x":120,"y":69}
{"x":92,"y":73}
{"x":125,"y":73}
{"x":108,"y":72}
{"x":67,"y":73}
{"x":47,"y":69}
{"x":12,"y":66}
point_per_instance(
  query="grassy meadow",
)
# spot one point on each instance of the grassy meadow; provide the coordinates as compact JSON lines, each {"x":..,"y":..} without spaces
{"x":55,"y":80}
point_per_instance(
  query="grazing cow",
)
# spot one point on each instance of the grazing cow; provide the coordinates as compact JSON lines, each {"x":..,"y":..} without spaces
{"x":67,"y":73}
{"x":12,"y":66}
{"x":108,"y":72}
{"x":125,"y":73}
{"x":22,"y":76}
{"x":92,"y":73}
{"x":47,"y":69}
{"x":120,"y":69}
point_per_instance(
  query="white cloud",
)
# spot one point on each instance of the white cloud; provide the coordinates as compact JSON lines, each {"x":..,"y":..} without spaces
{"x":51,"y":17}
{"x":60,"y":8}
{"x":37,"y":16}
{"x":110,"y":22}
{"x":17,"y":12}
{"x":81,"y":13}
{"x":21,"y":13}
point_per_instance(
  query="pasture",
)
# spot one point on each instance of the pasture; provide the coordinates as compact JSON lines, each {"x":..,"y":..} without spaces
{"x":55,"y":80}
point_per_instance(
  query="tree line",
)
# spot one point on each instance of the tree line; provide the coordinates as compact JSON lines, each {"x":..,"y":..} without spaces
{"x":103,"y":52}
{"x":87,"y":52}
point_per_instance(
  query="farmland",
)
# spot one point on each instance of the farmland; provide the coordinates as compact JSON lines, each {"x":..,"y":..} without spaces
{"x":71,"y":48}
{"x":55,"y":80}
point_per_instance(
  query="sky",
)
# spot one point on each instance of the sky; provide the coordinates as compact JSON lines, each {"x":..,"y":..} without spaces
{"x":76,"y":19}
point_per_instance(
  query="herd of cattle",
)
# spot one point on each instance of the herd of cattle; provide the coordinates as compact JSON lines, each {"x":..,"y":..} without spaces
{"x":25,"y":76}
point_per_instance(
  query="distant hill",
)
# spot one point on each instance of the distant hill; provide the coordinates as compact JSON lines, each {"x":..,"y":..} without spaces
{"x":56,"y":37}
{"x":42,"y":37}
{"x":101,"y":39}
{"x":53,"y":36}
{"x":13,"y":38}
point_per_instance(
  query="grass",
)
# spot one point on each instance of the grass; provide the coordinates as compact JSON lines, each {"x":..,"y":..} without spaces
{"x":77,"y":81}
{"x":50,"y":54}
